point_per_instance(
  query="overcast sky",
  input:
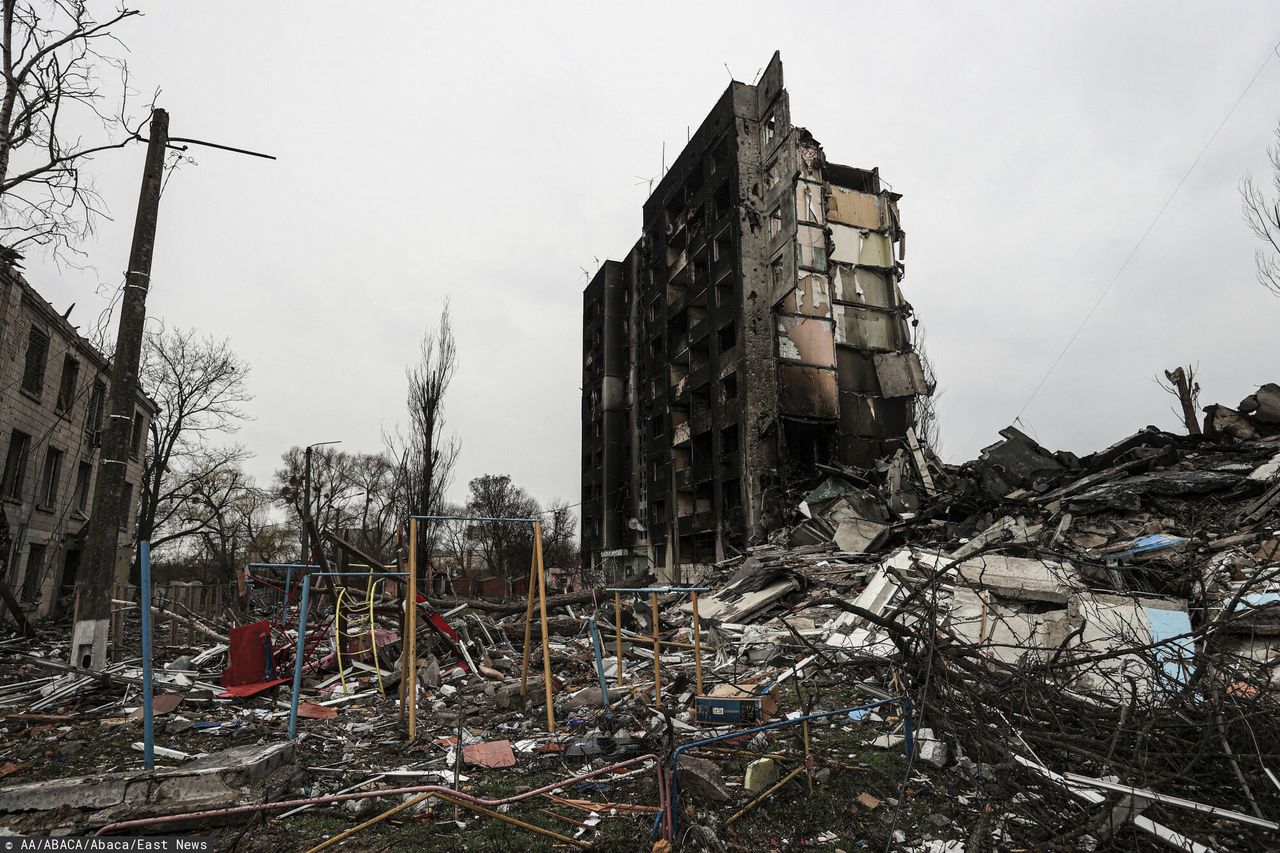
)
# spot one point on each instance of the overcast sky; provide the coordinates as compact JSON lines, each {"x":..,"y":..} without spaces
{"x":489,"y":153}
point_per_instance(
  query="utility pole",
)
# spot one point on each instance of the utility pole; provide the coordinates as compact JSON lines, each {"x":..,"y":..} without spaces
{"x":306,"y":499}
{"x":110,"y":510}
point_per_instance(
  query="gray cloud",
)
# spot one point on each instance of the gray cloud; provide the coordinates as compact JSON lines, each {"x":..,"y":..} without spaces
{"x":486,"y":153}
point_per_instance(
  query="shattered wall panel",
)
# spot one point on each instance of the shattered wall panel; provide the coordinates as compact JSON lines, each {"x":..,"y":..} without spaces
{"x":809,"y":202}
{"x":857,"y":370}
{"x":865,"y":248}
{"x":810,"y":296}
{"x":870,"y":416}
{"x":868,"y":328}
{"x":807,"y":391}
{"x":900,"y":374}
{"x":848,"y":207}
{"x":807,"y":339}
{"x":811,"y":247}
{"x":870,"y":287}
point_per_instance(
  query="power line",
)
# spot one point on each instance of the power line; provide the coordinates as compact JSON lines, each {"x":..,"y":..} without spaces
{"x":1145,"y":234}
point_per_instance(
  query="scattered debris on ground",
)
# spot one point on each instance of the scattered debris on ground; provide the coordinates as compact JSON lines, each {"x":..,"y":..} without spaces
{"x":1032,"y":650}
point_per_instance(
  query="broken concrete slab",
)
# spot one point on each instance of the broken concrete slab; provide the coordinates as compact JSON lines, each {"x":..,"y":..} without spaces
{"x":208,"y":782}
{"x":1263,"y":404}
{"x":701,"y":779}
{"x":1020,"y":578}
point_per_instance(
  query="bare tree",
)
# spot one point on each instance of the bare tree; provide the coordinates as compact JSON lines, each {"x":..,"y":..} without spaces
{"x":504,"y":547}
{"x":927,"y":429}
{"x":352,"y":494}
{"x":1262,"y":214}
{"x":374,"y":477}
{"x":52,"y":59}
{"x":425,"y":457}
{"x":560,"y":534}
{"x":1181,"y":383}
{"x":199,"y":384}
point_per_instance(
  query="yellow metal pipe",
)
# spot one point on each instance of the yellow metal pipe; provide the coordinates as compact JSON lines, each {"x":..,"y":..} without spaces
{"x":412,"y":627}
{"x":617,"y":630}
{"x":404,"y":623}
{"x":657,"y":651}
{"x":528,"y":627}
{"x":542,"y":608}
{"x":804,"y":730}
{"x":697,"y":644}
{"x":392,"y":812}
{"x":563,"y":839}
{"x":765,"y":794}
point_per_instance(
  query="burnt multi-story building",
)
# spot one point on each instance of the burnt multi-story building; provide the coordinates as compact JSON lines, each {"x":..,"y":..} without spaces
{"x":756,"y":331}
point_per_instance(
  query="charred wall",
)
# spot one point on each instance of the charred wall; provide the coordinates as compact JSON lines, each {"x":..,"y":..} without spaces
{"x":760,"y":331}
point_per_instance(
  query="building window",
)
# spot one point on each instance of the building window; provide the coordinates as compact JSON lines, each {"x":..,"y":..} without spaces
{"x":15,"y":465}
{"x":775,"y":222}
{"x":37,"y":355}
{"x":48,"y":494}
{"x":84,"y":476}
{"x":35,"y":568}
{"x":137,"y":441}
{"x":97,"y":405}
{"x":729,"y":387}
{"x":728,"y":337}
{"x":729,"y":439}
{"x":126,"y":505}
{"x":67,"y":386}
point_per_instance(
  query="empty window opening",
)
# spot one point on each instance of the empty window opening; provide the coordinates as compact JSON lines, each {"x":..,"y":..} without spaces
{"x":37,"y":355}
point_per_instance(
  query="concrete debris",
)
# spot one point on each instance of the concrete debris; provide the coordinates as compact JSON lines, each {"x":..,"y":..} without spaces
{"x":702,"y":779}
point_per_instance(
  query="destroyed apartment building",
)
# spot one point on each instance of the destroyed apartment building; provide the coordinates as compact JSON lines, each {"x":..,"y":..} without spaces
{"x":755,"y":331}
{"x":818,"y":635}
{"x":53,"y":393}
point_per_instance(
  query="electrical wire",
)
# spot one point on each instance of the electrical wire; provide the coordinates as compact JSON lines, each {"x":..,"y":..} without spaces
{"x":1151,"y":227}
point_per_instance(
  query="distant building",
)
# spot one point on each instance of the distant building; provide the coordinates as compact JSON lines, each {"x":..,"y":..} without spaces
{"x":756,"y":331}
{"x":53,"y":395}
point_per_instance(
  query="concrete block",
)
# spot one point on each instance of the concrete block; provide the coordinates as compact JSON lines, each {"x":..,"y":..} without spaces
{"x":701,"y":779}
{"x":761,"y":773}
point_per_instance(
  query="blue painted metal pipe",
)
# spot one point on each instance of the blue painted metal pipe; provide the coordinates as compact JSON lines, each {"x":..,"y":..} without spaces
{"x":283,"y":566}
{"x":148,"y":716}
{"x":673,"y":783}
{"x":596,"y":647}
{"x":297,"y":657}
{"x":468,"y":518}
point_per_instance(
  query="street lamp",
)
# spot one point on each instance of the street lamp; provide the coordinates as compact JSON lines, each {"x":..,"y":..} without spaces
{"x":306,"y":498}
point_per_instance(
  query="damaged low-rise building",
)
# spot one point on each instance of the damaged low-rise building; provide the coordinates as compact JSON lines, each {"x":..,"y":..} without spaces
{"x":756,"y":331}
{"x":53,"y":393}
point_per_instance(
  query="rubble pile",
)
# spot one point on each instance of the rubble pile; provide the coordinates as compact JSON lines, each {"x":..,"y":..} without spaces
{"x":1032,"y":650}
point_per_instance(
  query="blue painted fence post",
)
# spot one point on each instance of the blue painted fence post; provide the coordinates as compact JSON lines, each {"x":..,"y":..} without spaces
{"x":144,"y":599}
{"x":297,"y":657}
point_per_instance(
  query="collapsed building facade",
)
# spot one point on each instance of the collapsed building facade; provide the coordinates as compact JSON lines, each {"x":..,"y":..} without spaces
{"x":755,"y":331}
